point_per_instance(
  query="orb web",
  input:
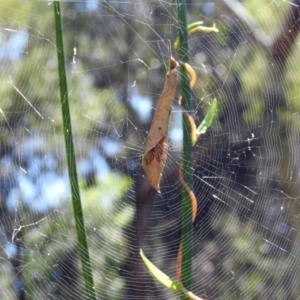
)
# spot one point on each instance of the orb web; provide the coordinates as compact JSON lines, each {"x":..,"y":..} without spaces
{"x":245,"y":167}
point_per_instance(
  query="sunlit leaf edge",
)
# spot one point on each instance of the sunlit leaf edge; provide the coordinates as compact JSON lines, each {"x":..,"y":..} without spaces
{"x":166,"y":280}
{"x":208,"y":120}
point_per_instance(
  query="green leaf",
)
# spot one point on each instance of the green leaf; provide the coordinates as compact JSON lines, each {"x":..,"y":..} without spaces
{"x":208,"y":120}
{"x":159,"y":275}
{"x":166,"y":280}
{"x":203,"y":29}
{"x":193,"y":25}
{"x":189,"y":27}
{"x":196,"y":27}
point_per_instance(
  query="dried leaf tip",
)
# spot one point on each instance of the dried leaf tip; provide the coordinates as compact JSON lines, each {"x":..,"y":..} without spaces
{"x":173,"y":64}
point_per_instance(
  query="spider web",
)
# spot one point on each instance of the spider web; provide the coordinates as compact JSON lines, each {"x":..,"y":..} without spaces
{"x":245,"y":167}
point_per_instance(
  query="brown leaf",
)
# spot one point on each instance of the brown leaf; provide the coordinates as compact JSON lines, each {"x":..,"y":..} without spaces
{"x":193,"y":127}
{"x":156,"y":149}
{"x":192,"y":73}
{"x":194,"y":213}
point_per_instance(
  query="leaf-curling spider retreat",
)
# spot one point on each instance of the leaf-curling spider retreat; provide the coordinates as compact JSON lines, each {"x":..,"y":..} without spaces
{"x":159,"y":152}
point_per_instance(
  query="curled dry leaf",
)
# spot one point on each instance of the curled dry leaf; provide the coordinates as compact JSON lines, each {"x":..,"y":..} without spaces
{"x":194,"y":213}
{"x":193,"y":127}
{"x":156,"y":149}
{"x":192,"y":73}
{"x":179,"y":255}
{"x":191,"y":194}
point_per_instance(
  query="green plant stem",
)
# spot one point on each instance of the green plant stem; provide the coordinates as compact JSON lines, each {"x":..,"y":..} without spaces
{"x":187,"y":155}
{"x":76,"y":201}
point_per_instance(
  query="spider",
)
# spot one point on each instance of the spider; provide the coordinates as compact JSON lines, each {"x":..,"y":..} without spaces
{"x":158,"y":152}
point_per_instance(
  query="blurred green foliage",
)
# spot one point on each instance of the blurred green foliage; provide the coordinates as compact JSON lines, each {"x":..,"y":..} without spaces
{"x":52,"y":256}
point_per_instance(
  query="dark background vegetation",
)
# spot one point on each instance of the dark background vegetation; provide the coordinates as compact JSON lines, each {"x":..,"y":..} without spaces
{"x":246,"y":167}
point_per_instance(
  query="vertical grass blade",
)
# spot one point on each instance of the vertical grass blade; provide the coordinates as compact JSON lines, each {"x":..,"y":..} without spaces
{"x":67,"y":128}
{"x":187,"y":155}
